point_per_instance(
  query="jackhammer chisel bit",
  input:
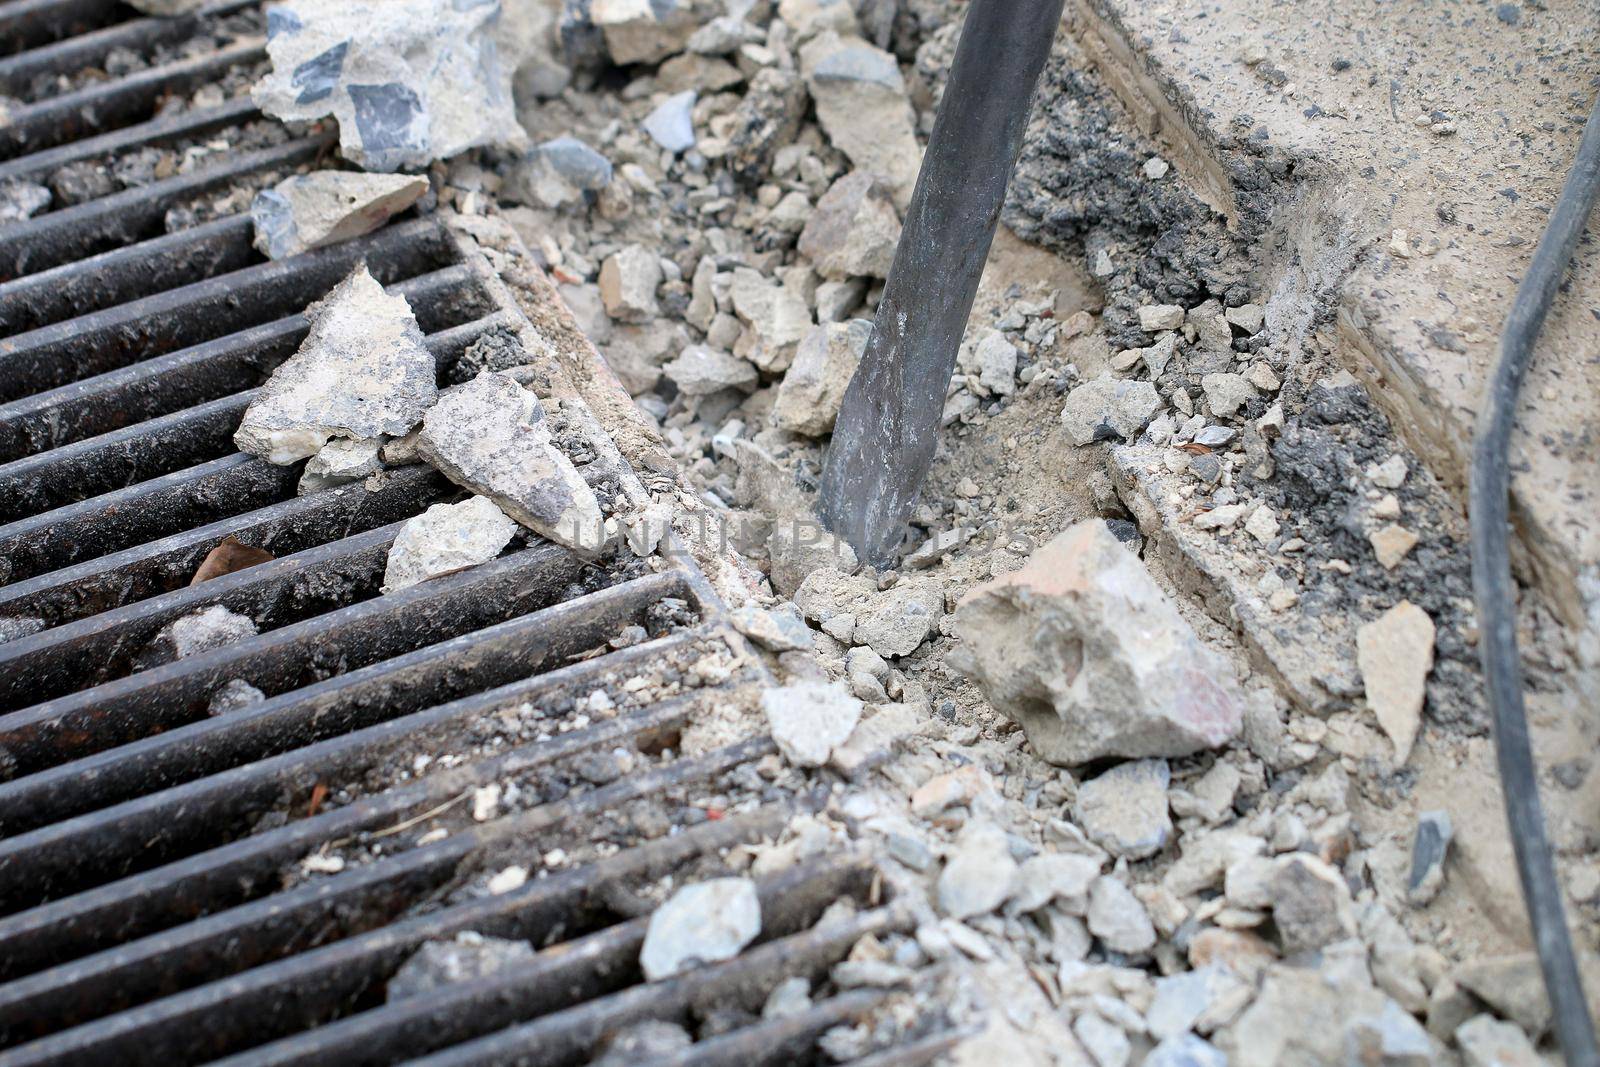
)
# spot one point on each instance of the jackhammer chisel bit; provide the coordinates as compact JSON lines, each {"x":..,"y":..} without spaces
{"x":888,"y":426}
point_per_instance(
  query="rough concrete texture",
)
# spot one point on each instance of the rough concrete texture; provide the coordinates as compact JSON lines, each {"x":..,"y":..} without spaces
{"x":1423,"y":148}
{"x":490,"y":436}
{"x":446,"y":538}
{"x":702,"y":923}
{"x":810,"y":394}
{"x":361,"y":372}
{"x":410,"y":81}
{"x":1083,"y":649}
{"x":328,"y":206}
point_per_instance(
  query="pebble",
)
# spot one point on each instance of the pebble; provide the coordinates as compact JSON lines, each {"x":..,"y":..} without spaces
{"x":853,"y":230}
{"x":702,"y":923}
{"x":467,"y":956}
{"x":628,"y":282}
{"x":1390,"y":474}
{"x":1429,"y":848}
{"x":671,"y":124}
{"x":1124,"y":810}
{"x":781,"y":629}
{"x":1395,"y":654}
{"x":808,"y":719}
{"x":1154,"y":317}
{"x":1310,"y":904}
{"x":1227,"y":393}
{"x":1116,"y":917}
{"x":979,"y":874}
{"x":235,"y":695}
{"x":1059,"y":878}
{"x":812,"y":389}
{"x":1487,"y":1042}
{"x":1391,"y":544}
{"x":702,"y":371}
{"x":325,"y":207}
{"x":447,"y":538}
{"x":202,"y":630}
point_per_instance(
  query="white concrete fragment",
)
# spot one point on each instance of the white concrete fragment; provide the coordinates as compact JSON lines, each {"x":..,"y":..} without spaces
{"x":446,"y":538}
{"x":1395,"y":654}
{"x":325,"y":207}
{"x":702,"y":923}
{"x":809,"y":719}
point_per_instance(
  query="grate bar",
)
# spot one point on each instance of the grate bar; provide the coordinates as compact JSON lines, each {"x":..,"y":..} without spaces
{"x":168,"y":696}
{"x":38,"y":166}
{"x":115,"y":337}
{"x":570,"y":972}
{"x":82,"y":230}
{"x":90,"y":49}
{"x":518,"y":646}
{"x":568,"y":1037}
{"x":201,"y":372}
{"x":122,"y":274}
{"x":335,"y":928}
{"x":228,"y":874}
{"x":287,"y":526}
{"x":30,"y":23}
{"x":779,"y":1041}
{"x":119,"y":102}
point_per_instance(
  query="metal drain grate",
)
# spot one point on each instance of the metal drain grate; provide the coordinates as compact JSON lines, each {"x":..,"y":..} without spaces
{"x":177,"y":887}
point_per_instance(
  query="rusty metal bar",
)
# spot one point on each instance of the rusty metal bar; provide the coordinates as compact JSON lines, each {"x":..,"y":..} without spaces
{"x":40,"y":165}
{"x":30,"y":23}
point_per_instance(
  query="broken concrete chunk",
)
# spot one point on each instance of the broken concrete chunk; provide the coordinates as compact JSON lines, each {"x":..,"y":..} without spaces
{"x":1395,"y":654}
{"x":340,"y":461}
{"x":671,"y":124}
{"x":1391,"y":544}
{"x":235,"y":695}
{"x":1117,"y":918}
{"x":703,"y":371}
{"x":557,"y":173}
{"x":328,"y":206}
{"x":410,"y":81}
{"x":651,"y":1041}
{"x":702,"y":923}
{"x":467,"y":956}
{"x":813,"y":387}
{"x":361,"y":373}
{"x":628,"y":281}
{"x":979,"y":874}
{"x":1227,"y":393}
{"x":996,"y":360}
{"x":446,"y":538}
{"x":780,"y":630}
{"x":1106,"y":407}
{"x":807,"y":719}
{"x":776,"y":319}
{"x":489,"y":436}
{"x":896,"y":621}
{"x":1248,"y":317}
{"x":854,"y":229}
{"x":1487,"y":1042}
{"x":1060,"y":878}
{"x":1124,"y":811}
{"x":1428,"y":851}
{"x":643,"y":31}
{"x":862,"y":106}
{"x":1311,"y":904}
{"x":1083,"y":649}
{"x":22,"y":200}
{"x":1154,"y":317}
{"x":199,"y":631}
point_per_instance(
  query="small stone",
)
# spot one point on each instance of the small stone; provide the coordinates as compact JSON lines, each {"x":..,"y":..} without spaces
{"x":854,"y":230}
{"x":1105,"y":1041}
{"x":1395,"y":653}
{"x":997,"y":362}
{"x":1487,"y":1042}
{"x":467,"y":956}
{"x":1155,"y":168}
{"x":1429,"y":848}
{"x":558,"y":173}
{"x":1124,"y":810}
{"x":1391,"y":1038}
{"x":776,"y":320}
{"x":639,"y":31}
{"x":1225,"y":517}
{"x":896,"y":621}
{"x":979,"y":875}
{"x":507,"y":880}
{"x":1248,"y":317}
{"x":1116,"y":917}
{"x":1227,"y":393}
{"x":702,"y":923}
{"x":1154,"y":317}
{"x":1400,"y":244}
{"x":1215,"y":436}
{"x":447,"y":538}
{"x":1390,"y":474}
{"x":409,"y":81}
{"x":1106,"y":407}
{"x":788,"y":998}
{"x":22,"y":200}
{"x":1391,"y":544}
{"x":339,"y":462}
{"x":328,"y":206}
{"x":836,"y":300}
{"x":1060,"y":878}
{"x":486,"y":802}
{"x":490,"y":436}
{"x":1157,"y":356}
{"x":671,"y":124}
{"x":235,"y":695}
{"x":862,"y":106}
{"x":780,"y":630}
{"x":1310,"y":904}
{"x":361,"y":373}
{"x":628,"y":282}
{"x":813,"y":387}
{"x":1263,"y":377}
{"x":199,"y":631}
{"x":1084,"y":650}
{"x":808,"y":719}
{"x":1182,"y":999}
{"x":703,"y":371}
{"x":1262,"y":524}
{"x":650,"y":1041}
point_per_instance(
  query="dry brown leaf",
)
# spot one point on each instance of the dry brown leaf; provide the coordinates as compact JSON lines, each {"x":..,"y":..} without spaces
{"x":228,"y":557}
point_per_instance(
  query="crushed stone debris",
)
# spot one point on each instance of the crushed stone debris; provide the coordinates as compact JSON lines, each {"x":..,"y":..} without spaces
{"x":702,"y":923}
